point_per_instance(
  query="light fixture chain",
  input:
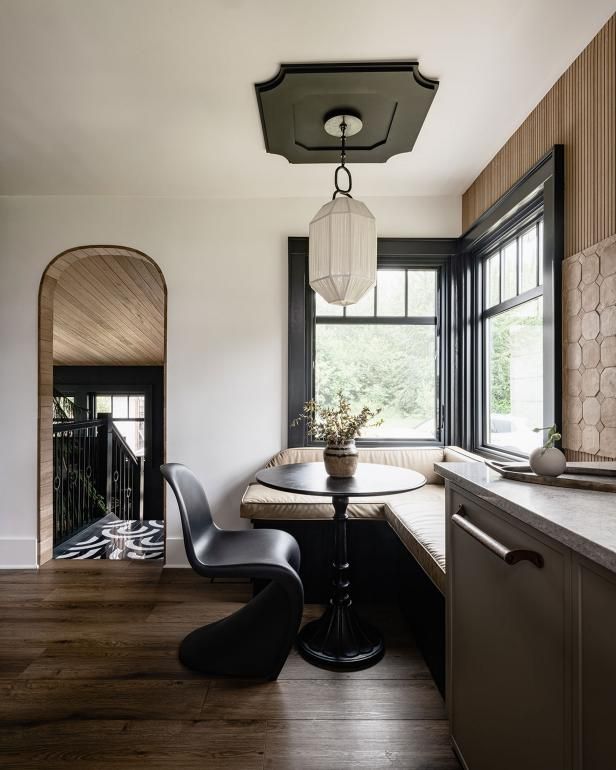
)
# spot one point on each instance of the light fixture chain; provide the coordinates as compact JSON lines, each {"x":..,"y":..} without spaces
{"x":342,"y":166}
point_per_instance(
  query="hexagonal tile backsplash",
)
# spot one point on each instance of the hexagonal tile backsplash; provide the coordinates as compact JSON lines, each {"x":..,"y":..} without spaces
{"x":589,"y":350}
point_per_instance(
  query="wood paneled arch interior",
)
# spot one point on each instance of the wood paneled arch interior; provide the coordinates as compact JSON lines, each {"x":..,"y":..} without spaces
{"x":113,"y":271}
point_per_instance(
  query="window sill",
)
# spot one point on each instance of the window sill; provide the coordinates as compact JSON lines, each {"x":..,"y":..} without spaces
{"x":494,"y":454}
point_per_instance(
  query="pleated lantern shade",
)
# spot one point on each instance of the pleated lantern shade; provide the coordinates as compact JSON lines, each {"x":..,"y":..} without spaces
{"x":342,"y":251}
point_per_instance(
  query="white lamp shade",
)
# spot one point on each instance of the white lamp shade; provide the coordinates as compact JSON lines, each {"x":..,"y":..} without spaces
{"x":342,"y":251}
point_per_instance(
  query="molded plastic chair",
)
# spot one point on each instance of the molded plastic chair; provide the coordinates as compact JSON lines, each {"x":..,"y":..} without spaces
{"x":255,"y":641}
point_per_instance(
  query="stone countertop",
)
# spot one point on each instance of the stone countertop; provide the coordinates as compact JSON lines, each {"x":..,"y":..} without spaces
{"x":582,"y":520}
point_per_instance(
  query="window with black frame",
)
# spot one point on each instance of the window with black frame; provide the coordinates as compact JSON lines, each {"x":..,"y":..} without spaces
{"x":128,"y":414}
{"x":512,"y":341}
{"x":384,"y":352}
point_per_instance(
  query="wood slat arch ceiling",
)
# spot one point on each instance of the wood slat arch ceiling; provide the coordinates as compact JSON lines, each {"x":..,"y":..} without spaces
{"x":109,"y":310}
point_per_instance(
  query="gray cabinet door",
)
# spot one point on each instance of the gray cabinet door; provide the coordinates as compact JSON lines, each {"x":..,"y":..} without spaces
{"x":594,"y":679}
{"x":507,"y":645}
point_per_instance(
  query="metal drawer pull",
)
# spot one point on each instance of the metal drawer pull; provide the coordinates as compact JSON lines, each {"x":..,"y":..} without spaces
{"x":509,"y":556}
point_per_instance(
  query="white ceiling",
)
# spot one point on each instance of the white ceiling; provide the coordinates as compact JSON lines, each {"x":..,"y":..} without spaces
{"x":156,"y":97}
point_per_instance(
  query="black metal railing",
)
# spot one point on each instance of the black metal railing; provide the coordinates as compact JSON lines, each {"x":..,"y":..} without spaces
{"x":94,"y":473}
{"x":124,"y":481}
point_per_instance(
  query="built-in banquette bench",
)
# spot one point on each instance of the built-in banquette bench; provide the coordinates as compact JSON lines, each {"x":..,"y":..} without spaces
{"x":382,"y":532}
{"x":417,"y":518}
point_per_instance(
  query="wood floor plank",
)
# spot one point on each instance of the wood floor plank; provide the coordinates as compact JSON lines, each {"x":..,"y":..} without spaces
{"x":155,"y":745}
{"x":35,"y":700}
{"x":359,"y":745}
{"x":59,"y":613}
{"x":199,"y":593}
{"x":400,"y":662}
{"x":346,"y":699}
{"x":88,"y":661}
{"x":14,"y":660}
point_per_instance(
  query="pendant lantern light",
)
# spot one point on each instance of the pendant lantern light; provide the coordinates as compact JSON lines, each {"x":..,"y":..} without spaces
{"x":342,"y":242}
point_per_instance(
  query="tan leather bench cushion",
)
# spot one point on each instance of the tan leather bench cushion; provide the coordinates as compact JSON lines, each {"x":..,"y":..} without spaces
{"x":261,"y":502}
{"x":420,"y":524}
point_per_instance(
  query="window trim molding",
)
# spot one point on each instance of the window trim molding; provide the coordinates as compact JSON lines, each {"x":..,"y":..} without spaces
{"x":541,"y":187}
{"x":392,"y":253}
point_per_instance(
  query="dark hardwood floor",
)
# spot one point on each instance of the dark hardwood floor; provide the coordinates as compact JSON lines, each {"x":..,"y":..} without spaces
{"x":89,"y":679}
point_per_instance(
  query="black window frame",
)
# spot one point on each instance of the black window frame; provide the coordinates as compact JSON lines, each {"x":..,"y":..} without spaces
{"x":145,"y":420}
{"x":392,"y":254}
{"x":538,"y":194}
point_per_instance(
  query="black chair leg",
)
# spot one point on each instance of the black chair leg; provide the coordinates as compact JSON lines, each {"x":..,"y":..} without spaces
{"x":254,"y":642}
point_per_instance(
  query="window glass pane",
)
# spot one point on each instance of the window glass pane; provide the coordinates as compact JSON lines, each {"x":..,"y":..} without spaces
{"x":386,"y":366}
{"x":324,"y":308}
{"x":63,"y":408}
{"x":120,"y":406}
{"x":390,"y":290}
{"x":510,"y":267}
{"x":103,"y":404}
{"x":422,"y":292}
{"x":515,"y":377}
{"x":365,"y":306}
{"x":136,"y":406}
{"x":492,"y":278}
{"x":529,"y":256}
{"x":133,"y":432}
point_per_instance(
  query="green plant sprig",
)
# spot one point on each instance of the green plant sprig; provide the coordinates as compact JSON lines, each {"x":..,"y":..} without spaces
{"x":337,"y":424}
{"x":552,"y":437}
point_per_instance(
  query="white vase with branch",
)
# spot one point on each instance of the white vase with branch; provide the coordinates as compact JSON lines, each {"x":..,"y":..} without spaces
{"x":548,"y":460}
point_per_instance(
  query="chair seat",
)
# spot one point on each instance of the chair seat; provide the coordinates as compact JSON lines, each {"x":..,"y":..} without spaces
{"x":248,"y":553}
{"x":420,"y":525}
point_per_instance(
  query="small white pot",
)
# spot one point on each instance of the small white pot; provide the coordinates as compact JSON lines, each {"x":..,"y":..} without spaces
{"x":547,"y":462}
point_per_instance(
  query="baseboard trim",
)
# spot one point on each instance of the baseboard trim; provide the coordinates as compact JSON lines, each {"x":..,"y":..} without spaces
{"x":175,"y":553}
{"x":18,"y":553}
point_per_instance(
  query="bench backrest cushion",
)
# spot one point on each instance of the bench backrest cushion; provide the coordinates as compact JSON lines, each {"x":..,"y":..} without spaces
{"x":420,"y":459}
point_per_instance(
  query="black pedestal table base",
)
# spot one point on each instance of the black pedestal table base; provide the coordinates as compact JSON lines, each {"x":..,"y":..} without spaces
{"x":339,"y":639}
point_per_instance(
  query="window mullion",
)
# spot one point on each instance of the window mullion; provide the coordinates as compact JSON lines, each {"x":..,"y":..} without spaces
{"x":406,"y":293}
{"x":518,"y":266}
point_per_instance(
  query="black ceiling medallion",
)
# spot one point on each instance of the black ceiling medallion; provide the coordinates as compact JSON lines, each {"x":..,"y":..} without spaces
{"x":392,"y":100}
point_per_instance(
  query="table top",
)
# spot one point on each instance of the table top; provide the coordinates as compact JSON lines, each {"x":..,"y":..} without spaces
{"x":370,"y":479}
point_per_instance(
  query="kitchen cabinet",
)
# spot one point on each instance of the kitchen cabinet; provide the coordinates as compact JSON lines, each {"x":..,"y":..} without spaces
{"x":508,"y":640}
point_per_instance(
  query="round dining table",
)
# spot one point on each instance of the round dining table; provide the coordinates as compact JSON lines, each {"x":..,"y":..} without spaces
{"x":340,"y":639}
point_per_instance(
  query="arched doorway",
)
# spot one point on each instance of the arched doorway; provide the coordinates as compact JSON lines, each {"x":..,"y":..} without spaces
{"x":109,"y":297}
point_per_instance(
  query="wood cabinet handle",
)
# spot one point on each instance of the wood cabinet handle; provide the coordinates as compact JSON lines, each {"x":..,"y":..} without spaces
{"x":508,"y":555}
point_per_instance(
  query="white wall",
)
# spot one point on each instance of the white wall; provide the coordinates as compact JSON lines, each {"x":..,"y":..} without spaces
{"x":225,"y":266}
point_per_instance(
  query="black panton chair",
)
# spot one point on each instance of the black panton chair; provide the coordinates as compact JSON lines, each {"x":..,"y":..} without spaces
{"x":255,"y":641}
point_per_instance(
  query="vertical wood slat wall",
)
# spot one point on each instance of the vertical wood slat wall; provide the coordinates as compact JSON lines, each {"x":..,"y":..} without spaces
{"x":580,"y":113}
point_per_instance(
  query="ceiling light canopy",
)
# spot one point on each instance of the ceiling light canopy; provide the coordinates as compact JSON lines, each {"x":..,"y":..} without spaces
{"x":393,"y":99}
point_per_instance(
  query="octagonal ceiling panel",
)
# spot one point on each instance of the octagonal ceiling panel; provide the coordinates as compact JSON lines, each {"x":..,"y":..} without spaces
{"x":392,"y":99}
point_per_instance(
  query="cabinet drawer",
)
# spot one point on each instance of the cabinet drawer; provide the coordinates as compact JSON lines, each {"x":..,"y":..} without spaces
{"x":507,"y":641}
